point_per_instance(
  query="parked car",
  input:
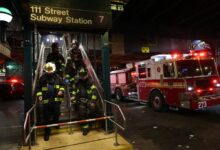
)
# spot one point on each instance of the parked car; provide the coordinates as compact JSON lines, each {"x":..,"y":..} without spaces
{"x":11,"y":88}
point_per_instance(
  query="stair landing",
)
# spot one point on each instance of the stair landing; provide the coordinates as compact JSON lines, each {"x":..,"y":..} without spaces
{"x":95,"y":140}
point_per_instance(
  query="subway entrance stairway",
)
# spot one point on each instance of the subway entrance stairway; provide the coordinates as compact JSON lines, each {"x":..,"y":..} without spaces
{"x":66,"y":134}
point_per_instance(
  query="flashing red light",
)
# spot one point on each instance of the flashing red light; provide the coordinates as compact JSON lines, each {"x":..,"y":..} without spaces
{"x":198,"y":90}
{"x":14,"y":80}
{"x":214,"y":81}
{"x":195,"y":54}
{"x":211,"y":89}
{"x":202,"y":54}
{"x":175,"y":55}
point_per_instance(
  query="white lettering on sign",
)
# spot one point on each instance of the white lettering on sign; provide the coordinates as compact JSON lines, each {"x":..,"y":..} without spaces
{"x":54,"y":15}
{"x":52,"y":11}
{"x":78,"y":20}
{"x":43,"y":18}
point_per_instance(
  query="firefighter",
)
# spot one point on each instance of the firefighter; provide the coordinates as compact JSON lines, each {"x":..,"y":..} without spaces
{"x":86,"y":99}
{"x":50,"y":93}
{"x":72,"y":66}
{"x":75,"y":55}
{"x":57,"y":58}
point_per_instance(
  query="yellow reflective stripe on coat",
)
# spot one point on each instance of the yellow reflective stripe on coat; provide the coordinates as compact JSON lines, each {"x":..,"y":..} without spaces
{"x":72,"y":79}
{"x":45,"y":101}
{"x":44,"y":89}
{"x":61,"y":89}
{"x":94,"y":97}
{"x":93,"y":87}
{"x":39,"y":93}
{"x":89,"y":92}
{"x":74,"y":93}
{"x":57,"y":99}
{"x":67,"y":76}
{"x":57,"y":86}
{"x":85,"y":126}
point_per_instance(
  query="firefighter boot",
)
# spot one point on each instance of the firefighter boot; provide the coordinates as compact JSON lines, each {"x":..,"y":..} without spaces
{"x":46,"y":137}
{"x":85,"y":129}
{"x":47,"y":134}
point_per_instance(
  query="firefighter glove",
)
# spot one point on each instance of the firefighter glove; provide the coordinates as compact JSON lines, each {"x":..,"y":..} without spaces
{"x":60,"y":93}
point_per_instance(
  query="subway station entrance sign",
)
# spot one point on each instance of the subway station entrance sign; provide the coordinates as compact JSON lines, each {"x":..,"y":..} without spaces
{"x":69,"y":16}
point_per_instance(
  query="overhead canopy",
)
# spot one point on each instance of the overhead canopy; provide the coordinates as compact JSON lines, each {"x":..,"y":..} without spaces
{"x":171,"y":17}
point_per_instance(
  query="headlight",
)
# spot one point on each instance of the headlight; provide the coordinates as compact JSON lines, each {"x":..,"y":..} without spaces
{"x":218,"y":85}
{"x":190,"y":88}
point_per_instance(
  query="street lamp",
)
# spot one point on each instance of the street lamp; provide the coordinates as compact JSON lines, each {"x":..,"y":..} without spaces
{"x":5,"y":14}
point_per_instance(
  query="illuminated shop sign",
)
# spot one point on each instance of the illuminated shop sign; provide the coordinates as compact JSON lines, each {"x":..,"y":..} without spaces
{"x":71,"y":17}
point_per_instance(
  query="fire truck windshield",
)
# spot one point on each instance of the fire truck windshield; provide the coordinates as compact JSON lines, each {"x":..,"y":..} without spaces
{"x":189,"y":68}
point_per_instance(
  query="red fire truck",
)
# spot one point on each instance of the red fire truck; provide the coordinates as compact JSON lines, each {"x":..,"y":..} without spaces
{"x":123,"y":84}
{"x":189,"y":81}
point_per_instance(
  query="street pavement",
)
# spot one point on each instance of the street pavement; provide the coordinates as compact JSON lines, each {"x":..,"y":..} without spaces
{"x":146,"y":129}
{"x":171,"y":130}
{"x":11,"y":114}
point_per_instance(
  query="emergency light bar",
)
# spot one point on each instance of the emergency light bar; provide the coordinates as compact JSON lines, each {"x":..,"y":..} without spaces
{"x":160,"y":57}
{"x":200,"y":53}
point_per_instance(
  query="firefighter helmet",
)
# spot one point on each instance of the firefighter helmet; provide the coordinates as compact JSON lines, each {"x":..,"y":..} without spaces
{"x":49,"y":67}
{"x":75,"y":44}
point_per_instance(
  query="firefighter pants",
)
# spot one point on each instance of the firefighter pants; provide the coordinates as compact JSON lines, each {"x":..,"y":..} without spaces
{"x":51,"y":113}
{"x":83,"y":112}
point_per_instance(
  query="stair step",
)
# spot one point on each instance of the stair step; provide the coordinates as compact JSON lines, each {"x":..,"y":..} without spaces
{"x":96,"y":139}
{"x":74,"y":127}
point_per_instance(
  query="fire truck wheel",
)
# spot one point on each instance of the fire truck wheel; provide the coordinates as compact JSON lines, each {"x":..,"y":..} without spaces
{"x":118,"y":95}
{"x":157,"y":101}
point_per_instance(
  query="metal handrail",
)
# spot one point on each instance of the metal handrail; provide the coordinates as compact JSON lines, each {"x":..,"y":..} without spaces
{"x":92,"y":73}
{"x":27,"y":123}
{"x":122,"y":114}
{"x":27,"y":137}
{"x":28,"y":114}
{"x":116,"y":125}
{"x":39,"y":65}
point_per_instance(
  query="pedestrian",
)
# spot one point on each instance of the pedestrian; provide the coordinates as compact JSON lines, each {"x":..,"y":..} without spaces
{"x":57,"y":59}
{"x":86,"y":99}
{"x":50,"y":93}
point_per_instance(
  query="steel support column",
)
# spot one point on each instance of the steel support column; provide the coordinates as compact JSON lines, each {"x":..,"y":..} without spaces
{"x":28,"y":100}
{"x":106,"y":75}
